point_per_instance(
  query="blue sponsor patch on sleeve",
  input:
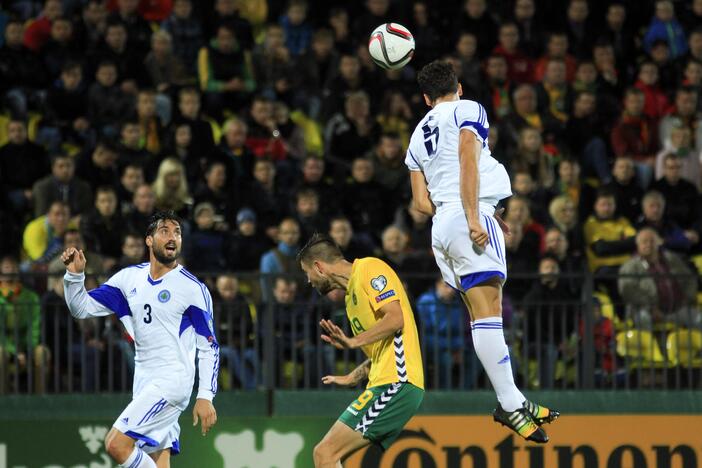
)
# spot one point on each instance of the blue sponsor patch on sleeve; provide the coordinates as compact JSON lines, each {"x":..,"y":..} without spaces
{"x":385,"y":295}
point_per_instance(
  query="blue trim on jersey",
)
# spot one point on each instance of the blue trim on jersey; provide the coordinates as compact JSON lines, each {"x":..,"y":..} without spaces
{"x":147,"y":440}
{"x":175,"y":447}
{"x":200,"y":321}
{"x":112,"y":298}
{"x":192,"y":277}
{"x":153,"y":281}
{"x":474,"y":279}
{"x":494,"y":240}
{"x":483,"y":114}
{"x":140,"y":265}
{"x":498,"y":244}
{"x":413,"y":158}
{"x":482,"y":131}
{"x":215,"y":368}
{"x":455,"y":119}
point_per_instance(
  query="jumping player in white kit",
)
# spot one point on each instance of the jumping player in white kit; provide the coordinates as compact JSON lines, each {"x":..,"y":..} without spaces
{"x":457,"y":181}
{"x":168,"y":313}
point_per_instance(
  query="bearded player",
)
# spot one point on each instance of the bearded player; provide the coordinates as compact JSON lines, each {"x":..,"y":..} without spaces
{"x":168,"y":313}
{"x":384,"y":328}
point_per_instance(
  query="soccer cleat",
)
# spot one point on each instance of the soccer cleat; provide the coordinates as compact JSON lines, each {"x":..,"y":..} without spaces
{"x":540,"y":414}
{"x":521,"y":422}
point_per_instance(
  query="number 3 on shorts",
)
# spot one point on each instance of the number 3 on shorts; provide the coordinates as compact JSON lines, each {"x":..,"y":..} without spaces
{"x":363,"y":399}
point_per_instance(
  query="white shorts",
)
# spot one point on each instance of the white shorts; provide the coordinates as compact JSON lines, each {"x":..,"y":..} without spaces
{"x":462,"y":263}
{"x":151,"y":421}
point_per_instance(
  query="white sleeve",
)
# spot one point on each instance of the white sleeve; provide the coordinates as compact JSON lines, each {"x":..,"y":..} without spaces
{"x":412,"y":156}
{"x":472,"y":116}
{"x":201,"y":318}
{"x":105,"y":300}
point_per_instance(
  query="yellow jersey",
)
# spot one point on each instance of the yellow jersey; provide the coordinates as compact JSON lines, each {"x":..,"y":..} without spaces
{"x":397,"y":358}
{"x":608,"y":230}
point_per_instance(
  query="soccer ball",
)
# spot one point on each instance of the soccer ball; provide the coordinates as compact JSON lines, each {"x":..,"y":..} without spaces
{"x":391,"y":46}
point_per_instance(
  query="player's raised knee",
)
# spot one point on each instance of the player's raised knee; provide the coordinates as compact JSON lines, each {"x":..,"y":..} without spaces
{"x":119,"y":448}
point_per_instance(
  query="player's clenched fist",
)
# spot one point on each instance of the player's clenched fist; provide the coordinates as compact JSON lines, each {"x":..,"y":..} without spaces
{"x":74,"y":260}
{"x":478,"y":235}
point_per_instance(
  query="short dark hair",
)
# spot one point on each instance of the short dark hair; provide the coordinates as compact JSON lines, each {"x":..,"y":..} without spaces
{"x":320,"y":247}
{"x":59,"y":156}
{"x":605,"y":192}
{"x":131,"y":120}
{"x":306,"y":193}
{"x":549,"y":256}
{"x":213,"y":164}
{"x":437,"y":79}
{"x":633,"y":91}
{"x":159,"y":216}
{"x":106,"y":63}
{"x":131,"y":233}
{"x":70,"y":65}
{"x":105,"y":189}
{"x":132,"y":165}
{"x":108,"y":145}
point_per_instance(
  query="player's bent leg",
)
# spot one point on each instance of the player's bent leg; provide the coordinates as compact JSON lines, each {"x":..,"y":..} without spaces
{"x":124,"y":451}
{"x":340,"y":442}
{"x":118,"y":445}
{"x":514,"y":410}
{"x":484,"y":300}
{"x":162,"y":458}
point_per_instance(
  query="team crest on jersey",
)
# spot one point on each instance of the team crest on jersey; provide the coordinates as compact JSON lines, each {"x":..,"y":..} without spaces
{"x":378,"y":283}
{"x":164,"y":296}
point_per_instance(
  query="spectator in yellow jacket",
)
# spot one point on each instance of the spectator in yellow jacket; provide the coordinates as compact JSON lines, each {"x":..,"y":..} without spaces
{"x":609,"y":240}
{"x":43,"y":237}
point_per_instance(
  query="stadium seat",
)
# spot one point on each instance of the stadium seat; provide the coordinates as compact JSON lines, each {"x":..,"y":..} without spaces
{"x":685,"y":347}
{"x":311,"y":130}
{"x":216,"y":129}
{"x":641,"y":349}
{"x":607,"y":308}
{"x":697,"y":260}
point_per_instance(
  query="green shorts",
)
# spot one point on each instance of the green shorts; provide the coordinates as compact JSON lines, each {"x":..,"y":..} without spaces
{"x":381,"y":412}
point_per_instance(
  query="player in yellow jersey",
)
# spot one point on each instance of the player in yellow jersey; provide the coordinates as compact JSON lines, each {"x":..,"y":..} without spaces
{"x":384,"y":328}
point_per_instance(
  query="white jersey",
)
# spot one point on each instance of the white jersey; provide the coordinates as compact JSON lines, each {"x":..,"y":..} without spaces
{"x":433,"y":150}
{"x":169,"y":319}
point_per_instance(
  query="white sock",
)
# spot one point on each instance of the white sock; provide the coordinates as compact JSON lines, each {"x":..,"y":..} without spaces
{"x":138,"y":459}
{"x":490,"y":346}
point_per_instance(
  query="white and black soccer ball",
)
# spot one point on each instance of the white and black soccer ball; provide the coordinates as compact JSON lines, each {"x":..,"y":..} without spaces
{"x":391,"y":46}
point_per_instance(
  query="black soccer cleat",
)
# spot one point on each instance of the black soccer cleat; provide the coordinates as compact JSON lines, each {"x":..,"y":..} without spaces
{"x":540,"y":414}
{"x":521,"y":422}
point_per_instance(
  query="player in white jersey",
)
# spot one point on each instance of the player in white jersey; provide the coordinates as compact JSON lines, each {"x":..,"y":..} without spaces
{"x":457,"y":181}
{"x":168,"y":313}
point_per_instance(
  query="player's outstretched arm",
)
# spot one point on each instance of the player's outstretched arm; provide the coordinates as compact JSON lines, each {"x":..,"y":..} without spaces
{"x":79,"y":302}
{"x":469,"y":185}
{"x":420,"y":194}
{"x":351,"y":379}
{"x":392,"y":320}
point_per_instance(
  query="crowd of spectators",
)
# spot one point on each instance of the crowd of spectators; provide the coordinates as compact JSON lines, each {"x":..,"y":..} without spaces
{"x":261,"y":122}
